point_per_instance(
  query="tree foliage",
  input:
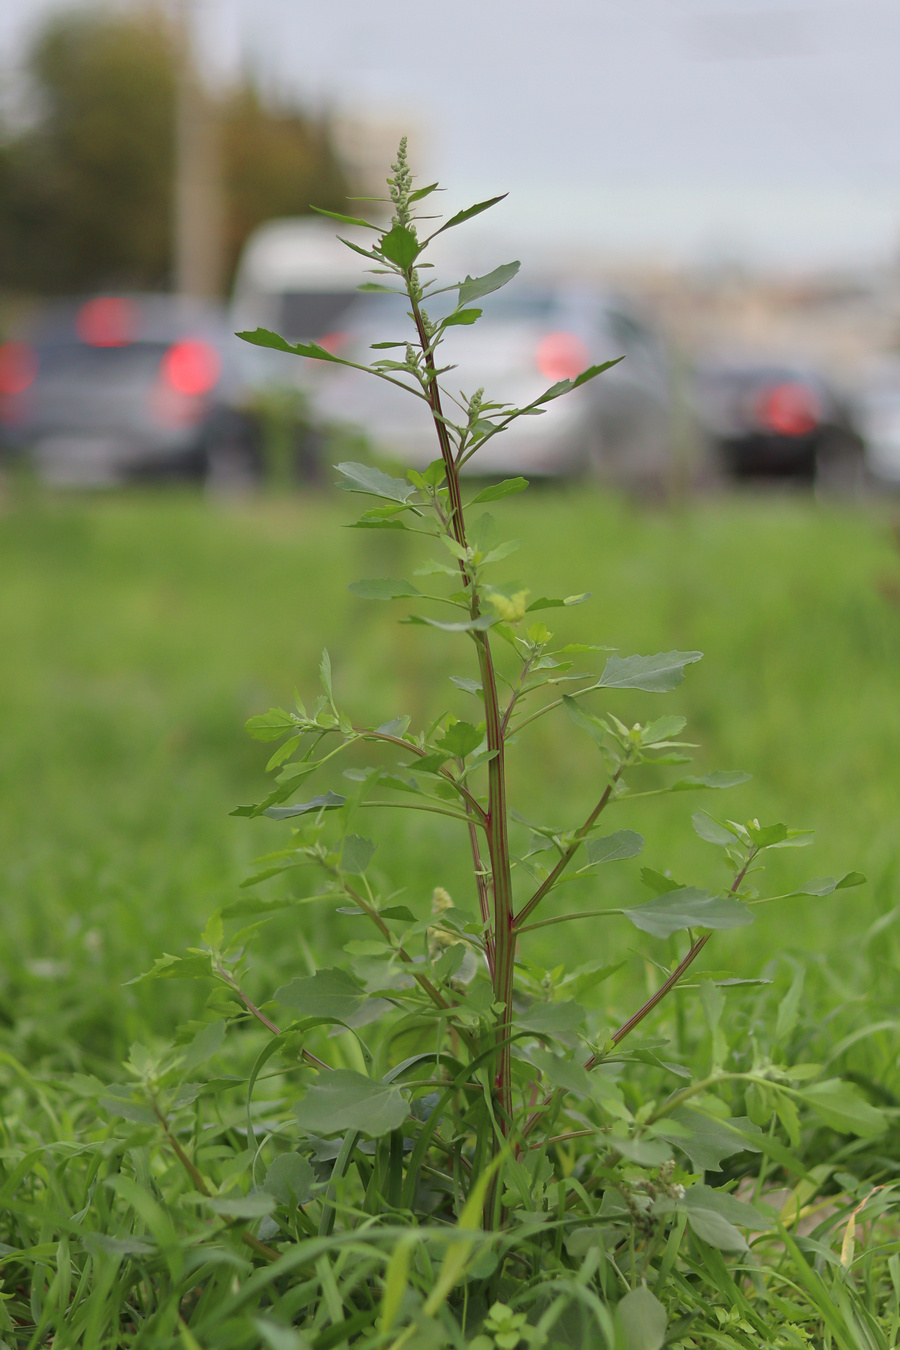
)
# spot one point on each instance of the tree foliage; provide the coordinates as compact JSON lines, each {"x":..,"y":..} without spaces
{"x":86,"y":189}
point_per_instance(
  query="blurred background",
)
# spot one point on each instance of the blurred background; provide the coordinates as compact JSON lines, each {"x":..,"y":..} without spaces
{"x":710,"y":188}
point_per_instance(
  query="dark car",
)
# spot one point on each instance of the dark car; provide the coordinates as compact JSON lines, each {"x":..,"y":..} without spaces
{"x":765,"y":419}
{"x":116,"y":387}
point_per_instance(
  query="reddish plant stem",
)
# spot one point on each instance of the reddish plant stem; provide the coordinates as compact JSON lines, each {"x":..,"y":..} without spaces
{"x":636,"y":1018}
{"x":496,"y":820}
{"x":199,"y":1181}
{"x":531,"y":905}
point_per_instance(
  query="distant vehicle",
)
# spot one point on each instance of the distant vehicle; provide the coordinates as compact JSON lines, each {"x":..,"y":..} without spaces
{"x":616,"y":426}
{"x":295,"y":278}
{"x":766,"y":419}
{"x":116,"y":387}
{"x":878,"y":403}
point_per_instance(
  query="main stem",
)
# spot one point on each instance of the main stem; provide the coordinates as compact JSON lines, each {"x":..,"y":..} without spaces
{"x":496,"y":822}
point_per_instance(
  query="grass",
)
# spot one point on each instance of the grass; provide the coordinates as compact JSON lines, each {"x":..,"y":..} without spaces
{"x":139,"y":632}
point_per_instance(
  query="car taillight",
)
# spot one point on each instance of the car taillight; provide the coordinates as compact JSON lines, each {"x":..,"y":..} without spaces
{"x":107,"y":321}
{"x":561,"y":356}
{"x":18,"y":368}
{"x":191,"y":367}
{"x":333,"y":342}
{"x":789,"y":409}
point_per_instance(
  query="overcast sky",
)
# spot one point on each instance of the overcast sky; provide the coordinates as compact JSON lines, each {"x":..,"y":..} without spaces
{"x":681,"y":130}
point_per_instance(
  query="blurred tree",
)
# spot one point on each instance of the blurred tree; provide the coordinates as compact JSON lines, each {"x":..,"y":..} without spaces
{"x":86,"y":191}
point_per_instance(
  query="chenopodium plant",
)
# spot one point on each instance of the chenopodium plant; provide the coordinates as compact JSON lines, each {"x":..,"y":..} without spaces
{"x":480,"y":1103}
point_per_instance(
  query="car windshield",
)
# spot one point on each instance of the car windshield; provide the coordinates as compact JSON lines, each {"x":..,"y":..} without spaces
{"x":313,"y":314}
{"x":528,"y":307}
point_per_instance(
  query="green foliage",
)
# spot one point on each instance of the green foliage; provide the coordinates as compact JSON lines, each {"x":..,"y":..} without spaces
{"x":450,"y":1144}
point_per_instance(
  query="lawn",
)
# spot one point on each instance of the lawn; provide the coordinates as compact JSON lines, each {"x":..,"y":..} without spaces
{"x":139,"y":632}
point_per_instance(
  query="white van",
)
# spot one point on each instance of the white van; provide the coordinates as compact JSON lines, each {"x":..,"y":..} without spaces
{"x":297,"y":279}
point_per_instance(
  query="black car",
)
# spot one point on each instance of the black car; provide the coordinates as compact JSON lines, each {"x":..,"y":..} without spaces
{"x":772,"y":420}
{"x":116,"y":387}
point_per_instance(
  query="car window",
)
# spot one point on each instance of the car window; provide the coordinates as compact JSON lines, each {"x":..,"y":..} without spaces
{"x":78,"y":361}
{"x":372,"y":310}
{"x":313,"y":314}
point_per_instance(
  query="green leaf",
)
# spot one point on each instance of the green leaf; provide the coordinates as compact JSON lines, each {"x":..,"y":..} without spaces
{"x":663,"y":729}
{"x":545,"y":603}
{"x":325,"y":674}
{"x":767,"y":835}
{"x":592,"y":725}
{"x":566,"y":386}
{"x":356,"y":854}
{"x":466,"y":685}
{"x":374,"y":483}
{"x":643,"y":1319}
{"x":345,"y":220}
{"x":168,"y":967}
{"x":825,"y":885}
{"x":842,"y":1106}
{"x":707,"y":1140}
{"x":551,"y":1019}
{"x":290,"y":1179}
{"x":271,"y":725}
{"x":567,"y":1074}
{"x":396,"y":727}
{"x":423,"y":192}
{"x":332,"y":994}
{"x":203,"y":1046}
{"x":645,"y":1152}
{"x":498,"y":490}
{"x":688,"y":908}
{"x":659,"y":883}
{"x":263,"y":337}
{"x":462,"y":317}
{"x":460,"y":739}
{"x":657,"y":674}
{"x":400,"y":246}
{"x":469,"y":212}
{"x":328,"y":801}
{"x":479,"y":625}
{"x":398,"y":912}
{"x":718,"y":778}
{"x":612,"y":847}
{"x":715,"y":1230}
{"x":712,"y":831}
{"x":344,"y":1100}
{"x":128,"y":1109}
{"x":474,"y":288}
{"x":254,"y":1206}
{"x":728,"y":1206}
{"x":386,"y":589}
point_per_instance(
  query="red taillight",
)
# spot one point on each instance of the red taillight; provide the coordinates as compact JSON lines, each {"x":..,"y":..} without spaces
{"x":333,"y":342}
{"x":191,"y":367}
{"x":18,"y":368}
{"x":788,"y":409}
{"x":107,"y":321}
{"x":561,"y":356}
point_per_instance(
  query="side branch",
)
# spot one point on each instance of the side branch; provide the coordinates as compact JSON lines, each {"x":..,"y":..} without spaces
{"x":531,"y":905}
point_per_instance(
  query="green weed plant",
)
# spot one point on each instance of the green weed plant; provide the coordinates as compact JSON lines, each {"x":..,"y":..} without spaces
{"x":440,"y":1143}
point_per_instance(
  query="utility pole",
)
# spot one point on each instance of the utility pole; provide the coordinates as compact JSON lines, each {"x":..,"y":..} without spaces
{"x":198,"y":196}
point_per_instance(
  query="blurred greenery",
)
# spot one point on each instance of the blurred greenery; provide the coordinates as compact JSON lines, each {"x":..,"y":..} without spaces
{"x":139,"y":632}
{"x":86,"y":185}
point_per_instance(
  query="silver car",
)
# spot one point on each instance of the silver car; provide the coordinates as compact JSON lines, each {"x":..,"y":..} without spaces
{"x":116,"y":387}
{"x":615,"y":427}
